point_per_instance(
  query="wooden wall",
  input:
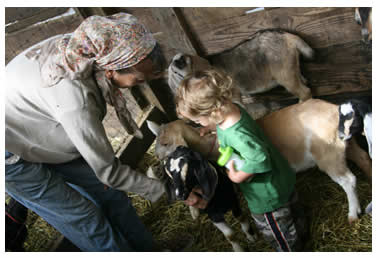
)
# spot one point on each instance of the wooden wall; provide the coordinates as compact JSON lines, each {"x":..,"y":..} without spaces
{"x":342,"y":67}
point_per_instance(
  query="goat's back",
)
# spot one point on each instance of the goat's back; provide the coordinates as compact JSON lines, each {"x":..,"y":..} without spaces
{"x":303,"y":129}
{"x":266,"y":54}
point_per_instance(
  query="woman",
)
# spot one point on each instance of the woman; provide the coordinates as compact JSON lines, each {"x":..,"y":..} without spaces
{"x":59,"y":162}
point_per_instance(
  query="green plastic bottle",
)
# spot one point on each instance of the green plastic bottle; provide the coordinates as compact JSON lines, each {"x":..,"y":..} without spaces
{"x":226,"y":155}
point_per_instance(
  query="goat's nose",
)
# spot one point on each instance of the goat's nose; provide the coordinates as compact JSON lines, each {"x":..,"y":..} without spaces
{"x":180,"y":63}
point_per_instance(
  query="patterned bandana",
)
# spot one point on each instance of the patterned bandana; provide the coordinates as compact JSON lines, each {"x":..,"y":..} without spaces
{"x":99,"y":43}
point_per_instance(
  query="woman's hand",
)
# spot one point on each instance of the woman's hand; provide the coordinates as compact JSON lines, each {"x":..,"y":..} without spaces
{"x":195,"y":200}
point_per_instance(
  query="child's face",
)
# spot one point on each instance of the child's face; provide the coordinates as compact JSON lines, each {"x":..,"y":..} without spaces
{"x":203,"y":120}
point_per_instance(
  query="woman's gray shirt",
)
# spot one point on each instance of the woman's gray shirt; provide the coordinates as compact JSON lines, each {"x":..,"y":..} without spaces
{"x":61,"y":123}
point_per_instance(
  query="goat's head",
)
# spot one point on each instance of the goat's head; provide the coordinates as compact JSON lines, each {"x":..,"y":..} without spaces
{"x":169,"y":137}
{"x":181,"y":66}
{"x":188,"y":169}
{"x":356,"y":117}
{"x":363,"y":16}
{"x":351,"y":118}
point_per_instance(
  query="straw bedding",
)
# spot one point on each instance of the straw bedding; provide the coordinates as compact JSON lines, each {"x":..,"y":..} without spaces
{"x":324,"y":201}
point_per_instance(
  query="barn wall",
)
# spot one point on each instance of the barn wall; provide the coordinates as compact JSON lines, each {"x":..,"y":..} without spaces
{"x":342,"y":67}
{"x":341,"y":70}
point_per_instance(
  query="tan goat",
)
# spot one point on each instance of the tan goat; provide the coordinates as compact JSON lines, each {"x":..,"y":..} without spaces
{"x":305,"y":133}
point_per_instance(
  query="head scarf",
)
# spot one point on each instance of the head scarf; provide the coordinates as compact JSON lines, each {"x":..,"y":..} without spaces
{"x":99,"y":43}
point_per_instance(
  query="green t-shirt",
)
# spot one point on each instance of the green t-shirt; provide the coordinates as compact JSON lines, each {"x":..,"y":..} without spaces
{"x":272,"y":186}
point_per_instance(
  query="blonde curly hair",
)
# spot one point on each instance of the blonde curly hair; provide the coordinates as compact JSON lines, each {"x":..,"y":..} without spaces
{"x":205,"y":93}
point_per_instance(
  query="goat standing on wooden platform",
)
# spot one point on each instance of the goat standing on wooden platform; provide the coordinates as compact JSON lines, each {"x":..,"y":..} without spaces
{"x":267,"y":59}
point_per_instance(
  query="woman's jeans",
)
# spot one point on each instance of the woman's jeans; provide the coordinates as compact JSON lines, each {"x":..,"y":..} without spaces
{"x":71,"y":198}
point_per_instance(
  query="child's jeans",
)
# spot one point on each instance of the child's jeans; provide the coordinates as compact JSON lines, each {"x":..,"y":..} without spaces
{"x":284,"y":227}
{"x":71,"y":198}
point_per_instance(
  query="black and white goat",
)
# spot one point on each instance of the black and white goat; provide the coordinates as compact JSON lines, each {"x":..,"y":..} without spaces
{"x":356,"y":117}
{"x":188,"y":171}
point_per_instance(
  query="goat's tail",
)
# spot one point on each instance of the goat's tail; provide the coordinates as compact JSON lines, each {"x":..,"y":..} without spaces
{"x":303,"y":47}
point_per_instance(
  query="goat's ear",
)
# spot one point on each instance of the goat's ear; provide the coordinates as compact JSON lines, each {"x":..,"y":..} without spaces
{"x":208,"y":180}
{"x":169,"y":189}
{"x":154,"y":127}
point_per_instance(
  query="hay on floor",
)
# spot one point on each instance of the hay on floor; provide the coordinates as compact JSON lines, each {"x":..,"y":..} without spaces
{"x":324,"y":201}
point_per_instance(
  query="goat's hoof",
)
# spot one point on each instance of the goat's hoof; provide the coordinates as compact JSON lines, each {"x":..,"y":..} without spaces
{"x":237,"y":248}
{"x":352,"y":219}
{"x":194,"y":212}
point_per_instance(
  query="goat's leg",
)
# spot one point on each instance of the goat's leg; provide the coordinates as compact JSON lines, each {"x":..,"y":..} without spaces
{"x":293,"y":81}
{"x":296,"y":87}
{"x":338,"y":171}
{"x":361,"y":158}
{"x":244,"y":223}
{"x":247,"y":229}
{"x":348,"y":183}
{"x":229,"y":234}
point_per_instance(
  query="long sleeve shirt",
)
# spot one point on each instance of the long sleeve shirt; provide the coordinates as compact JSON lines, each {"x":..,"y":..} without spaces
{"x":61,"y":123}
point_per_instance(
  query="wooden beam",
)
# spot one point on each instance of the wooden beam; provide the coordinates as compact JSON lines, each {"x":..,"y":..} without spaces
{"x":21,"y":17}
{"x":163,"y":98}
{"x":18,"y":41}
{"x":219,"y":29}
{"x":134,"y":149}
{"x":89,"y":11}
{"x":195,"y":43}
{"x":176,"y":38}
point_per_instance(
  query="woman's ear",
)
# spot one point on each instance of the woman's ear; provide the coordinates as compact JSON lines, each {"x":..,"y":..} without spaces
{"x":109,"y":74}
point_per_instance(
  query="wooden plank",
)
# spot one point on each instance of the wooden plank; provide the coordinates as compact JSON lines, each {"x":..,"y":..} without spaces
{"x":338,"y":69}
{"x":320,"y":27}
{"x":89,"y":11}
{"x":262,"y":106}
{"x":163,"y":22}
{"x":163,"y":95}
{"x":146,"y":90}
{"x":13,"y":14}
{"x":134,"y":149}
{"x":22,"y":17}
{"x":323,"y":82}
{"x":173,"y":36}
{"x":20,"y":40}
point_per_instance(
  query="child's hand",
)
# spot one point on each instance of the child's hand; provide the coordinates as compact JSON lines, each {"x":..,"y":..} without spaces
{"x":231,"y":166}
{"x":203,"y":131}
{"x":237,"y":176}
{"x":207,"y":129}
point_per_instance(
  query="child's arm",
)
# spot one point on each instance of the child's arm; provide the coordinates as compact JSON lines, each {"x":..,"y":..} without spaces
{"x":238,"y":176}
